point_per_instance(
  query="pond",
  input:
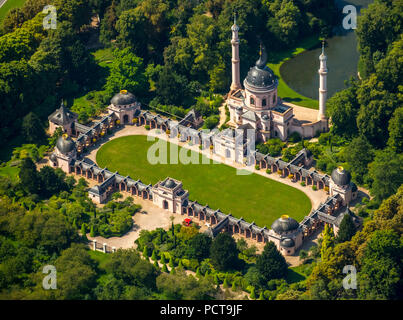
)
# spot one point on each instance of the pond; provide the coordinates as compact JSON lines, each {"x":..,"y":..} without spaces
{"x":301,"y":72}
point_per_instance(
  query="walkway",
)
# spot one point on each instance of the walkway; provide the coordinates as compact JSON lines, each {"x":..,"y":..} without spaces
{"x":223,"y":116}
{"x":2,"y":2}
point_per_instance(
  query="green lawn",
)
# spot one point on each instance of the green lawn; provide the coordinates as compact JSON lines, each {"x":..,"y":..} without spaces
{"x":284,"y":91}
{"x":253,"y":197}
{"x":10,"y":4}
{"x":11,"y":172}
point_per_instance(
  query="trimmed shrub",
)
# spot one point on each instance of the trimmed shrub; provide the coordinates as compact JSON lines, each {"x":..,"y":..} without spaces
{"x":268,"y":171}
{"x":171,"y":262}
{"x":92,"y":232}
{"x":314,"y":188}
{"x":303,"y":183}
{"x":253,"y":294}
{"x":257,"y":167}
{"x":145,"y":252}
{"x":164,"y":268}
{"x":225,"y":284}
{"x":147,"y":127}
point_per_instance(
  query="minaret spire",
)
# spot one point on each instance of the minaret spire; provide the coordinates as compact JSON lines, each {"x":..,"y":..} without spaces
{"x":322,"y":84}
{"x":236,"y":82}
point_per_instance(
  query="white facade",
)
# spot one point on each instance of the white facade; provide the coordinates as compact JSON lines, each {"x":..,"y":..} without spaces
{"x":169,"y":195}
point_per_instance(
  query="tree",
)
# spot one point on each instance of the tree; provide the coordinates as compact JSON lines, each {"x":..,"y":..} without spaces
{"x":225,"y":283}
{"x":172,"y":88}
{"x":51,"y":180}
{"x":32,"y":128}
{"x":145,"y":252}
{"x":128,"y":266}
{"x":343,"y":108}
{"x":271,"y":263}
{"x":224,"y":252}
{"x":92,"y":232}
{"x":347,"y":229}
{"x":377,"y":28}
{"x":253,"y":294}
{"x":154,"y":256}
{"x":327,"y":241}
{"x":253,"y":277}
{"x":28,"y":176}
{"x":75,"y":273}
{"x":199,"y":246}
{"x":380,"y":276}
{"x":396,"y":131}
{"x":127,"y":73}
{"x":377,"y":107}
{"x":386,"y":173}
{"x":359,"y":154}
{"x":83,"y":232}
{"x":171,"y":262}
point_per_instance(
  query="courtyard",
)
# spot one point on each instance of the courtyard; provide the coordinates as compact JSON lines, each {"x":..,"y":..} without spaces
{"x":252,"y":196}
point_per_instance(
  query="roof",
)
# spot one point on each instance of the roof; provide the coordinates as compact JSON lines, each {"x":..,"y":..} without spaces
{"x":123,"y":98}
{"x":340,"y":176}
{"x":62,"y":116}
{"x":340,"y":217}
{"x":284,"y":224}
{"x":65,"y":144}
{"x":261,"y":75}
{"x":287,"y":243}
{"x":249,"y":115}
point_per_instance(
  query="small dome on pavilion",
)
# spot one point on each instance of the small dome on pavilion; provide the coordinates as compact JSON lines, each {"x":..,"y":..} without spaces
{"x":123,"y":98}
{"x":287,"y":243}
{"x":284,"y":224}
{"x":340,"y":176}
{"x":65,"y":144}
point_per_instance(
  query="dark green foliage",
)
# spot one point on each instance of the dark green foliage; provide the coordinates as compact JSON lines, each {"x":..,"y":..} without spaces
{"x":343,"y":108}
{"x":396,"y":131}
{"x":28,"y":176}
{"x":128,"y":266}
{"x":271,"y":264}
{"x":181,"y":286}
{"x":380,"y":277}
{"x":32,"y":128}
{"x":359,"y":154}
{"x":199,"y":246}
{"x":347,"y":229}
{"x":52,"y":181}
{"x":386,"y":173}
{"x":75,"y":273}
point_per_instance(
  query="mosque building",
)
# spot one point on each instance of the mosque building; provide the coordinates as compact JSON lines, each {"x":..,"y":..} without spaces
{"x":258,"y":103}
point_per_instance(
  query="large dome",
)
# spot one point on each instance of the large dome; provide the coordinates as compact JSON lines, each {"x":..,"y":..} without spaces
{"x":123,"y":98}
{"x":261,"y":77}
{"x":340,"y":176}
{"x":284,"y":224}
{"x":64,"y":144}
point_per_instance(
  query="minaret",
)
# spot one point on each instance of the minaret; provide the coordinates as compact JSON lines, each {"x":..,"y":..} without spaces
{"x":236,"y":83}
{"x":322,"y":84}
